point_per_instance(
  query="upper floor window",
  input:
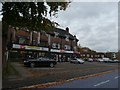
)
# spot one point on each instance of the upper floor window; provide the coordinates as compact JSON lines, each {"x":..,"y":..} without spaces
{"x":22,"y":40}
{"x":88,"y":55}
{"x":67,"y":37}
{"x":95,"y":55}
{"x":102,"y":56}
{"x":91,"y":55}
{"x":83,"y":54}
{"x":67,"y":47}
{"x":56,"y":45}
{"x":43,"y":33}
{"x":56,"y":34}
{"x":34,"y":42}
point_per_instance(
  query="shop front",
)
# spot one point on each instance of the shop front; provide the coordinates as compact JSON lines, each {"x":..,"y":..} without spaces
{"x":19,"y":51}
{"x":62,"y":55}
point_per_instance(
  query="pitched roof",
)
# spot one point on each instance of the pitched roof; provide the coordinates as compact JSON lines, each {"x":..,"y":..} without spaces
{"x":62,"y":33}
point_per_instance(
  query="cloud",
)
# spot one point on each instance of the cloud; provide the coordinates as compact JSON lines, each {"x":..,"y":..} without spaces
{"x":94,"y":24}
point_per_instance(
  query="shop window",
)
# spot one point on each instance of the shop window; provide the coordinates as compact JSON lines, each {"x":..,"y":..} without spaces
{"x":56,"y":45}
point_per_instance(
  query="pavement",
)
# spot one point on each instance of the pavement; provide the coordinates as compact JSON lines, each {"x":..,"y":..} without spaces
{"x":22,"y":71}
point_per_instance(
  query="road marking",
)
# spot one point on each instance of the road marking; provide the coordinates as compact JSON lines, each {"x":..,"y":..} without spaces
{"x":116,"y":77}
{"x":46,"y":85}
{"x":101,"y":83}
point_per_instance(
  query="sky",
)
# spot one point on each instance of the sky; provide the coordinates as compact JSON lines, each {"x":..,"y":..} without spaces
{"x":95,"y":24}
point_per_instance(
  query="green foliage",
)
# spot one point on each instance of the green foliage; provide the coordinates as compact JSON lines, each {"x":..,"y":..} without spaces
{"x":32,"y":15}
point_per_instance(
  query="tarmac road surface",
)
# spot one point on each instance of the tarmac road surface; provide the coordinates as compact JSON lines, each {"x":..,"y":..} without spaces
{"x":109,"y":80}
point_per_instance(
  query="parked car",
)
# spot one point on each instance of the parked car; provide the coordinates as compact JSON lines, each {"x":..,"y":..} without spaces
{"x":110,"y":61}
{"x":113,"y":61}
{"x":90,"y":60}
{"x":116,"y":61}
{"x":76,"y":60}
{"x":85,"y":59}
{"x":41,"y":61}
{"x":107,"y":60}
{"x":100,"y":60}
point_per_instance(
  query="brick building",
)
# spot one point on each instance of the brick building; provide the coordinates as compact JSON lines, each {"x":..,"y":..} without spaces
{"x":86,"y":52}
{"x":56,"y":42}
{"x":113,"y":55}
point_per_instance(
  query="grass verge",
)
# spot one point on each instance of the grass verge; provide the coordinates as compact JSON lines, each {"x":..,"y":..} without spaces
{"x":9,"y":70}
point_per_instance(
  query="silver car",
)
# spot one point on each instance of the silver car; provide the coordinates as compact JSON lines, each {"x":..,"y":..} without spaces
{"x":77,"y":60}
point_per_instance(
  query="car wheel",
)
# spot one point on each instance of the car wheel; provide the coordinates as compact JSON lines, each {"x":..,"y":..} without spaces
{"x":51,"y":65}
{"x":32,"y":65}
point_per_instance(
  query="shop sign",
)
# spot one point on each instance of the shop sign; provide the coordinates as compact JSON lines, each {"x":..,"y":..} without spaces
{"x":16,"y":46}
{"x":54,"y":50}
{"x":61,"y":50}
{"x":22,"y":46}
{"x":36,"y":48}
{"x":44,"y":49}
{"x":77,"y":52}
{"x":32,"y":47}
{"x":68,"y":51}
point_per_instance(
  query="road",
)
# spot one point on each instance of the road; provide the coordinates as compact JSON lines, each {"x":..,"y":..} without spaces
{"x":109,"y":80}
{"x":62,"y":71}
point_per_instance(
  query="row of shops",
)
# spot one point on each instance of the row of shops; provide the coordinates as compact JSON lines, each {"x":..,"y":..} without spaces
{"x":19,"y":52}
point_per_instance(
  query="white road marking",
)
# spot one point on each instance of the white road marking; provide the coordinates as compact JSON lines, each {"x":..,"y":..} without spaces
{"x":116,"y":77}
{"x":101,"y":83}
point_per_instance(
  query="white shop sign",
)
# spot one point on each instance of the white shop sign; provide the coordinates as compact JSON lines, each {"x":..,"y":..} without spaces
{"x":44,"y":49}
{"x":68,"y":51}
{"x":54,"y":50}
{"x":16,"y":46}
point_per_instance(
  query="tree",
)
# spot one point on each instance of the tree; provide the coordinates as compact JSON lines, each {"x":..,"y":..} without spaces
{"x":32,"y":15}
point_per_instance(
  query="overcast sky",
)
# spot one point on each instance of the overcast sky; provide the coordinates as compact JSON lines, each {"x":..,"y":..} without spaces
{"x":94,"y":23}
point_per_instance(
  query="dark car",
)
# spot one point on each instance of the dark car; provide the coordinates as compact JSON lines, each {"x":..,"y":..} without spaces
{"x":41,"y":61}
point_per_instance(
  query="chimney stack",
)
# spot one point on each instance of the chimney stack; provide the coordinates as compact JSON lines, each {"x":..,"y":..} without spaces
{"x":67,"y":29}
{"x":74,"y":36}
